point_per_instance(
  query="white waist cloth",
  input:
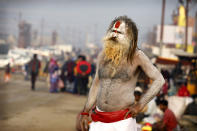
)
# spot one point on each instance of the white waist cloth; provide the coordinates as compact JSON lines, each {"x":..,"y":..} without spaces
{"x":123,"y":125}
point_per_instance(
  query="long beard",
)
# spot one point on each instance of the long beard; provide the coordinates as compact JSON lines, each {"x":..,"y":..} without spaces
{"x":115,"y":51}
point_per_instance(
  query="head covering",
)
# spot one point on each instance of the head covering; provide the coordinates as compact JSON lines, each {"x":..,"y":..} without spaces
{"x":53,"y":61}
{"x":139,"y":89}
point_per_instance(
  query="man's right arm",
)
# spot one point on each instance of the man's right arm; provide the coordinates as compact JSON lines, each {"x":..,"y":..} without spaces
{"x":93,"y":90}
{"x":92,"y":94}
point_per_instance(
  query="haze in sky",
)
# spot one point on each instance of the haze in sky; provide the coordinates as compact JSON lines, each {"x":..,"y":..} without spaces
{"x":77,"y":18}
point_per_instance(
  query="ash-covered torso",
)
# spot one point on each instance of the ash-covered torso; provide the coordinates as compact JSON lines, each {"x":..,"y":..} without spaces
{"x":117,"y":84}
{"x":115,"y":79}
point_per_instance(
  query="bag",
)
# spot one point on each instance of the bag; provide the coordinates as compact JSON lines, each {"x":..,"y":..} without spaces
{"x":178,"y":105}
{"x":60,"y":84}
{"x":70,"y":86}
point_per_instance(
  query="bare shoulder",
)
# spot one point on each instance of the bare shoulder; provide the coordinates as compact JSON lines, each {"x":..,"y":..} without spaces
{"x":141,"y":57}
{"x":140,"y":54}
{"x":100,"y":57}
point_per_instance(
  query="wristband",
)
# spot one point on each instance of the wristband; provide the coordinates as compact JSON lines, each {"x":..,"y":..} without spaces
{"x":84,"y":113}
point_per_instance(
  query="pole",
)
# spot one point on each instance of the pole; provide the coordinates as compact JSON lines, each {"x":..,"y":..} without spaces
{"x":186,"y":26}
{"x":195,"y":31}
{"x":162,"y":24}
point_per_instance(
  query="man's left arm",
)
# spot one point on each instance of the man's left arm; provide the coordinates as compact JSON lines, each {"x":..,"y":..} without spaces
{"x":153,"y":73}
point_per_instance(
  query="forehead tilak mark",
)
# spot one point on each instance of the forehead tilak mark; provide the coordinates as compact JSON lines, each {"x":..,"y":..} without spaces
{"x":117,"y":24}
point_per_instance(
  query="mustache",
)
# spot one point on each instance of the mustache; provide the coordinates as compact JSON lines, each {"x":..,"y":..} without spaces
{"x":113,"y":39}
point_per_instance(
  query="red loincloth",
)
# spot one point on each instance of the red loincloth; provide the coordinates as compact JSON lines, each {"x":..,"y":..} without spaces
{"x":109,"y":117}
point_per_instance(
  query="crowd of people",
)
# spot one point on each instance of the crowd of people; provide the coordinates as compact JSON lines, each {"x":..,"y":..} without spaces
{"x":73,"y":76}
{"x":76,"y":75}
{"x":175,"y":99}
{"x":156,"y":113}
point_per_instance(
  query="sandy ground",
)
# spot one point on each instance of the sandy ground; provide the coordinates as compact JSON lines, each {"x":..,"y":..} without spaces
{"x":25,"y":110}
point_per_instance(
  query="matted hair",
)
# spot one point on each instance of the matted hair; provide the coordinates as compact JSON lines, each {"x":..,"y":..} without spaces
{"x":132,"y":32}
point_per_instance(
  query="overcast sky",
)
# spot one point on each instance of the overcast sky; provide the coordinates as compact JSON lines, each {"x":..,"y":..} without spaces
{"x":75,"y":18}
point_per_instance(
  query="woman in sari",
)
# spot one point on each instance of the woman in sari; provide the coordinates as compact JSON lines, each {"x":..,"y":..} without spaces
{"x":54,"y":76}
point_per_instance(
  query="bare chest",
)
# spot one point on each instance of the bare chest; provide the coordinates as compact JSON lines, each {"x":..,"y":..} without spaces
{"x":124,"y":71}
